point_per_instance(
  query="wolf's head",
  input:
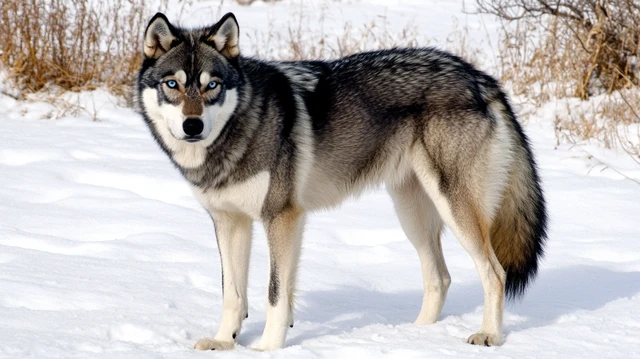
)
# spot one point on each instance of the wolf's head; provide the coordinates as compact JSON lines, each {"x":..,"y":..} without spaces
{"x":187,"y":86}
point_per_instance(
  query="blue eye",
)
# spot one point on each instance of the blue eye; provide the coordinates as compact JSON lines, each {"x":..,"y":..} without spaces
{"x":172,"y":84}
{"x":212,"y":85}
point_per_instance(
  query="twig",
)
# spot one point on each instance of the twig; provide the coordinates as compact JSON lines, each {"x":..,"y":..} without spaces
{"x":608,"y":166}
{"x":10,"y":95}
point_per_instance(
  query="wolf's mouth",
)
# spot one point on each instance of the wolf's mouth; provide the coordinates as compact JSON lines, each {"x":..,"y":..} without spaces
{"x":193,"y":139}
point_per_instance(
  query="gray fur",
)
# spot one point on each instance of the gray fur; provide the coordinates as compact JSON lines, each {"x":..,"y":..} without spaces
{"x":323,"y":131}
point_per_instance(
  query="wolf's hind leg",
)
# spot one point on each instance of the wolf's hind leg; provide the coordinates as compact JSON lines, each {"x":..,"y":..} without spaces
{"x":422,"y":225}
{"x":460,"y":212}
{"x":233,"y":233}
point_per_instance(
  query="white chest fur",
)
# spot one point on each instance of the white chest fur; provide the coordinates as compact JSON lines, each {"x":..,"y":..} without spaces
{"x":246,"y":197}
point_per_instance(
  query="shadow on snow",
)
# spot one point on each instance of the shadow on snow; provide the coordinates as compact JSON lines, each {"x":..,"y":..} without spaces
{"x":554,"y":293}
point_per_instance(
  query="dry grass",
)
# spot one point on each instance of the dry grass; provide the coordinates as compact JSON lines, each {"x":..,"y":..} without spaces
{"x":72,"y":44}
{"x":547,"y":58}
{"x":301,"y":41}
{"x":598,"y":41}
{"x":62,"y":45}
{"x":611,"y":120}
{"x":538,"y":62}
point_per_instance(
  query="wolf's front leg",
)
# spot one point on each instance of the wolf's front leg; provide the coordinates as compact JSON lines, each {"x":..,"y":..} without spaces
{"x":233,"y":233}
{"x":284,"y":233}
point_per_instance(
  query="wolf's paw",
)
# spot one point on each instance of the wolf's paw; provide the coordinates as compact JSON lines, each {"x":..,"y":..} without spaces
{"x":484,"y":339}
{"x":263,"y":348}
{"x":267,"y":345}
{"x":212,"y":344}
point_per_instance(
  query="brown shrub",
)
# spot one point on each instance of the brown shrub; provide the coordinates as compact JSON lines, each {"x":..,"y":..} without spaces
{"x":73,"y":44}
{"x":565,"y":50}
{"x":592,"y":45}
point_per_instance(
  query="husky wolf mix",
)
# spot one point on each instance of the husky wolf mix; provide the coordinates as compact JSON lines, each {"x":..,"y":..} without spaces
{"x":272,"y":141}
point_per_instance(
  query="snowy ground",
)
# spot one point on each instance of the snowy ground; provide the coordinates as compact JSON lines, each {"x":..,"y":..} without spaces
{"x":104,"y":253}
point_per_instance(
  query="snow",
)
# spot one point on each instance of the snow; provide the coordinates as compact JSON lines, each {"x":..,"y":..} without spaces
{"x":104,"y":252}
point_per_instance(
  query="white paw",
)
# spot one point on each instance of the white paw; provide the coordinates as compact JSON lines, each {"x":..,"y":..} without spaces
{"x":484,"y":339}
{"x":212,"y":344}
{"x":265,"y":348}
{"x":425,"y":319}
{"x":268,"y":345}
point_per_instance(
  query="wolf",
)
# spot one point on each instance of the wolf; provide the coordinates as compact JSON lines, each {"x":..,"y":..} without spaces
{"x":271,"y":141}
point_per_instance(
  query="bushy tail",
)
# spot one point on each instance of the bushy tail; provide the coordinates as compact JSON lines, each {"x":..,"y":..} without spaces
{"x":518,"y":231}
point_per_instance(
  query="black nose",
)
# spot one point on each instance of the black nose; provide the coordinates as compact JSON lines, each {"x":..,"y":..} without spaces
{"x":193,"y":126}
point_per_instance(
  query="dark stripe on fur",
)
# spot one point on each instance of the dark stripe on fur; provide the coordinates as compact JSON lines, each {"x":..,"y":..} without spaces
{"x":274,"y":284}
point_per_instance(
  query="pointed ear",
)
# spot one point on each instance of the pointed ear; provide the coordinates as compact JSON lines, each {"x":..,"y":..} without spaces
{"x":158,"y":37}
{"x":224,"y":36}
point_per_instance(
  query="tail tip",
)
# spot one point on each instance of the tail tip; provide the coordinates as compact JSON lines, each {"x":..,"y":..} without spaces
{"x":518,"y":281}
